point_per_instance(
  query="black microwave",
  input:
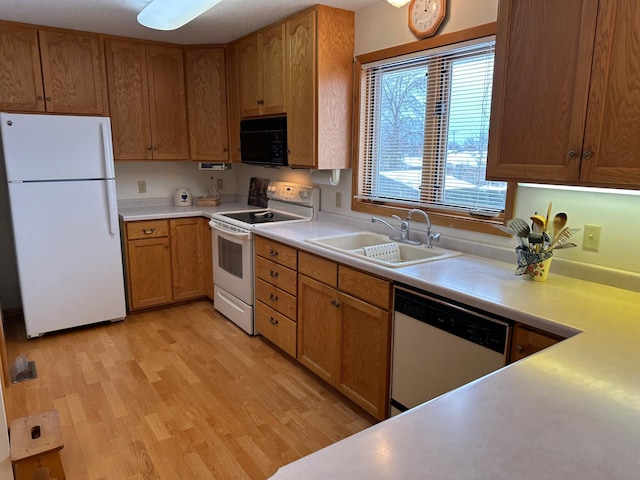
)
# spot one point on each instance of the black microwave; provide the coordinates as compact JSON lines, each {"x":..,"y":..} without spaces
{"x":263,"y":141}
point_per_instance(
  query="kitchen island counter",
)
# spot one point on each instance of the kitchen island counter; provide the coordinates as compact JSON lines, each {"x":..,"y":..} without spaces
{"x":570,"y":411}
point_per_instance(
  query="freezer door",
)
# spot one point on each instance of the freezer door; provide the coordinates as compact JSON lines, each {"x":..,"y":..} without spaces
{"x":69,"y":261}
{"x":56,"y":147}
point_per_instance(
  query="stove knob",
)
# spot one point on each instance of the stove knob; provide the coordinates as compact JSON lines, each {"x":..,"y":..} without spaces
{"x":304,"y":194}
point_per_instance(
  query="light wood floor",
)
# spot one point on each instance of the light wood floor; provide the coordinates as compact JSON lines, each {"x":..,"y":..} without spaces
{"x":179,"y":393}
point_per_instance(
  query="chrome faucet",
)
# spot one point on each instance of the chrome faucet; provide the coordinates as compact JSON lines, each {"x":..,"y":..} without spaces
{"x":402,"y":234}
{"x":430,"y":236}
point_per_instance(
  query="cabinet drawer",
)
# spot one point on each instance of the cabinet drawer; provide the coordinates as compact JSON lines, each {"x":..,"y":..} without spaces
{"x":277,"y":328}
{"x":281,"y":277}
{"x":277,"y":299}
{"x":147,"y":229}
{"x":277,"y":252}
{"x":323,"y":270}
{"x":371,"y":289}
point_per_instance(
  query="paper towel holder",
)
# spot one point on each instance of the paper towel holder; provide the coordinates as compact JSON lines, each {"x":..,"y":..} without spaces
{"x":333,"y":179}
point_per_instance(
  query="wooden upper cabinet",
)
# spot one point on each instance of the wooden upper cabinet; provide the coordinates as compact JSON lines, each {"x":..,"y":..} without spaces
{"x":320,"y":44}
{"x":233,"y":101}
{"x":566,"y":102}
{"x":73,"y":73}
{"x":148,"y":102}
{"x":207,"y":103}
{"x":262,"y":72}
{"x":21,"y":86}
{"x":129,"y":100}
{"x":167,"y":101}
{"x":53,"y":71}
{"x":613,"y":115}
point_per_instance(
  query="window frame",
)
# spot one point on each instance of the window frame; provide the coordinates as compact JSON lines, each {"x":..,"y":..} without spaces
{"x":439,"y":216}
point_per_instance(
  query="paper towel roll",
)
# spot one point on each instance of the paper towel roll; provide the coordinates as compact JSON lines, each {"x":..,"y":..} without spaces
{"x":325,"y":177}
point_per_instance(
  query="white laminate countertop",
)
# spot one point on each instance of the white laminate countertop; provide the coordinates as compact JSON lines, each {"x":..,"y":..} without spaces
{"x":571,"y":411}
{"x":162,"y":211}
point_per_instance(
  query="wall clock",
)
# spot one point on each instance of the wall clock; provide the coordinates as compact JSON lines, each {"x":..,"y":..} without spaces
{"x":425,"y":16}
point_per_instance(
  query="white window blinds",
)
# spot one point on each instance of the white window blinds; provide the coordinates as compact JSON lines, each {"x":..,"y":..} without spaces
{"x":424,"y":126}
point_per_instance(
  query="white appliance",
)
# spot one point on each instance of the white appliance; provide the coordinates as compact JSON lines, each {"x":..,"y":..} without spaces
{"x":233,"y":262}
{"x":61,"y":190}
{"x":439,"y":346}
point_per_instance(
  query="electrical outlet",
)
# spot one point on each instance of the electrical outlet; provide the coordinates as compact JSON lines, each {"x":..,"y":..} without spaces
{"x":219,"y":184}
{"x":338,"y":199}
{"x":591,"y":240}
{"x":142,"y":186}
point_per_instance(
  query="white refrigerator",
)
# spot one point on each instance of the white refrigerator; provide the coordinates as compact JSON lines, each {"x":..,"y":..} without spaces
{"x":60,"y":185}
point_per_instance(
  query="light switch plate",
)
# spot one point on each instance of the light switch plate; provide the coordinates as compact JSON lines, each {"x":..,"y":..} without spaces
{"x":142,"y":186}
{"x":591,"y":240}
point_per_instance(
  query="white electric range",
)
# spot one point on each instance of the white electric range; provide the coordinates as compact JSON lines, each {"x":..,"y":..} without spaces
{"x":233,"y":262}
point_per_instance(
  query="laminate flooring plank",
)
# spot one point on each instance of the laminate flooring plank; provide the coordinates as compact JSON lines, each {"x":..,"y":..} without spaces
{"x":179,"y":393}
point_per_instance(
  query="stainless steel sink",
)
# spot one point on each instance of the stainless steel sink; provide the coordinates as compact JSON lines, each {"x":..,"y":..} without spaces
{"x":354,"y":244}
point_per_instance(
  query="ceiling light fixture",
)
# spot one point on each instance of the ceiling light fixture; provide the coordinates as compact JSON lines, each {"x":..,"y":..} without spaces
{"x":398,"y":3}
{"x":172,"y":14}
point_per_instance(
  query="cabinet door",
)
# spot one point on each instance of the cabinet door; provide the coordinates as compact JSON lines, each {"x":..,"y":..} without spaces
{"x":73,"y":73}
{"x":365,"y":333}
{"x":167,"y":103}
{"x":611,"y":143}
{"x":318,"y":328}
{"x":128,"y":100}
{"x":250,"y":76}
{"x":187,"y":258}
{"x":207,"y":104}
{"x":301,"y":98}
{"x":526,"y":341}
{"x":233,"y":98}
{"x":273,"y":64}
{"x":149,"y":263}
{"x":541,"y":81}
{"x":20,"y":76}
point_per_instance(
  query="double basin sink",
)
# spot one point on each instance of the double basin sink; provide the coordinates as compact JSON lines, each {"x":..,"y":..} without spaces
{"x":378,"y":248}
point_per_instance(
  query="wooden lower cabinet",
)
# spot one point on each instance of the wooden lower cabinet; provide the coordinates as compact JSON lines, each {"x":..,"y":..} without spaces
{"x":165,"y":261}
{"x":527,"y":340}
{"x":344,"y":339}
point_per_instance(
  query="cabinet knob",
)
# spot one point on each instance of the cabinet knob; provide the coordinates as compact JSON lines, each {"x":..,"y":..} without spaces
{"x":150,"y":148}
{"x":273,"y":274}
{"x":273,"y":321}
{"x":586,"y":155}
{"x":573,"y":154}
{"x":335,"y":303}
{"x":273,"y":298}
{"x":225,"y":149}
{"x":48,"y":99}
{"x":273,"y":253}
{"x":39,"y":98}
{"x":520,"y":349}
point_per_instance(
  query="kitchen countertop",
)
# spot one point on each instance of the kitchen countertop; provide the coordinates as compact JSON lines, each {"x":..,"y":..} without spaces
{"x":163,"y":210}
{"x":569,"y":411}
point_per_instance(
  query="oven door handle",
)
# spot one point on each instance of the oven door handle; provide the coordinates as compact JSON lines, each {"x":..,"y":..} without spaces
{"x":241,"y":235}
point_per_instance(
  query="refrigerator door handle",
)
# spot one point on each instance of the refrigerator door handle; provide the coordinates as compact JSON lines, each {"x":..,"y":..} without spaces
{"x":112,"y":207}
{"x":109,"y":169}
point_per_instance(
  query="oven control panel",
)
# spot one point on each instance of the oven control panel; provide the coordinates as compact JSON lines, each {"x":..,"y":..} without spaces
{"x":293,"y":192}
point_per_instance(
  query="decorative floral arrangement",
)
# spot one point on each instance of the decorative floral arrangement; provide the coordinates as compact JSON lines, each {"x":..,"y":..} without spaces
{"x":537,"y":243}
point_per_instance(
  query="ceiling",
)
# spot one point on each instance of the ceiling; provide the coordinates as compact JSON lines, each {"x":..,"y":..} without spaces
{"x":226,"y":21}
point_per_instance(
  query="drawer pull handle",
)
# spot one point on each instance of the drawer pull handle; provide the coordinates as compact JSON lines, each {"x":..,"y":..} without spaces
{"x":273,"y":298}
{"x":273,"y":321}
{"x":273,"y":253}
{"x":148,"y":231}
{"x":273,"y":274}
{"x":335,"y":303}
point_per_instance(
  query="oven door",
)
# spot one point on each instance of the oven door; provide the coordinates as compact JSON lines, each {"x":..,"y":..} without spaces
{"x":233,"y":261}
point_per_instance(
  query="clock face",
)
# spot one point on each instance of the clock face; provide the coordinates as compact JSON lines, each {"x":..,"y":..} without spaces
{"x":425,"y":16}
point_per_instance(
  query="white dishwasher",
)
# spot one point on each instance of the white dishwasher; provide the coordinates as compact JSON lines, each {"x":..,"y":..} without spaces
{"x":439,"y":346}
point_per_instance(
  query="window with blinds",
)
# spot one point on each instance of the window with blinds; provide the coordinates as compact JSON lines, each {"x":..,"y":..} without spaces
{"x":424,"y":127}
